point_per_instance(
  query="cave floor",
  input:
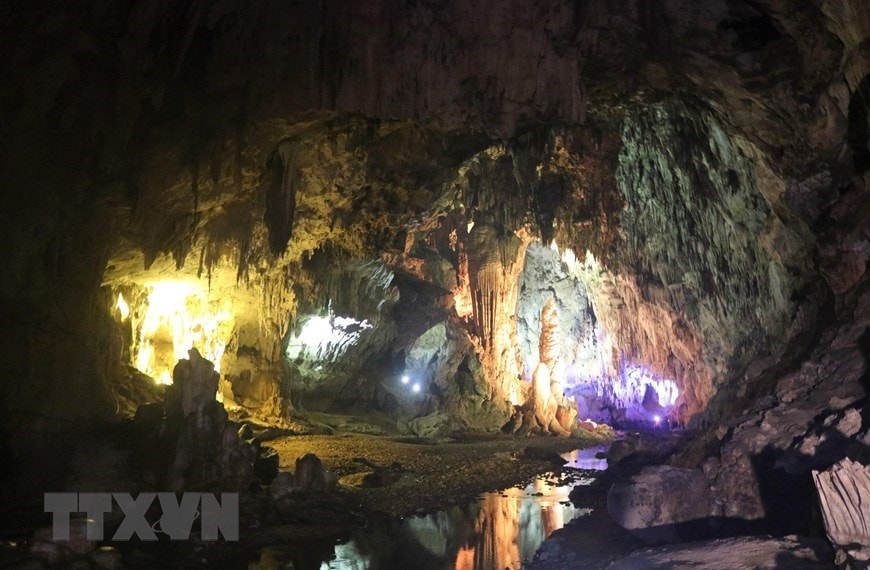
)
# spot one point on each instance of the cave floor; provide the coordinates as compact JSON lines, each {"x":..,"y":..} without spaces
{"x":422,"y":475}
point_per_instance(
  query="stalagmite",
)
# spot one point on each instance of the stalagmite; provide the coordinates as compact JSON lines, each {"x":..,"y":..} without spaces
{"x":550,"y":408}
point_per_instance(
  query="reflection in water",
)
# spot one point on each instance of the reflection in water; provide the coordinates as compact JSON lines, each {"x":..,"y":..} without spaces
{"x":501,"y":530}
{"x":585,"y":458}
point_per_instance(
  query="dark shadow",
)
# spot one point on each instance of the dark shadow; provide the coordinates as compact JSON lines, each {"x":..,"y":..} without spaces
{"x":786,"y":486}
{"x":790,"y":561}
{"x":864,"y":347}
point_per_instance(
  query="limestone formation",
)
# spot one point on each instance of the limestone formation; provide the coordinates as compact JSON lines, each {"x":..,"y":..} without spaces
{"x":844,"y":493}
{"x":552,"y":412}
{"x":661,"y":503}
{"x":307,"y":198}
{"x":208,"y":451}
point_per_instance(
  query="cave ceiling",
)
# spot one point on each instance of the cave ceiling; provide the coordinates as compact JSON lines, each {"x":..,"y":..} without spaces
{"x":692,"y":150}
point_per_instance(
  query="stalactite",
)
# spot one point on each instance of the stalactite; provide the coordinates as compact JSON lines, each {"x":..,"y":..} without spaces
{"x":280,"y":190}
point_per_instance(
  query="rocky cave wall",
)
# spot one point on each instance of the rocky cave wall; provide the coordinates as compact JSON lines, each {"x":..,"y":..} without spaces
{"x":218,"y":143}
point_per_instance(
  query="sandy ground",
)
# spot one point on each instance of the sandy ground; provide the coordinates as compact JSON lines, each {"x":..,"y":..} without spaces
{"x":427,"y":475}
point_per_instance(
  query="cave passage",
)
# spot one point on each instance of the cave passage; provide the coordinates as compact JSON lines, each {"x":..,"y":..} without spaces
{"x":375,"y":268}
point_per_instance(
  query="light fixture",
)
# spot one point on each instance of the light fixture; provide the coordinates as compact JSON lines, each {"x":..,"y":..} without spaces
{"x":416,"y":388}
{"x":405,"y":379}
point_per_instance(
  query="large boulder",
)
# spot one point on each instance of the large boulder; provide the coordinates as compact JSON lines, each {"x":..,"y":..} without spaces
{"x":433,"y":426}
{"x":654,"y":503}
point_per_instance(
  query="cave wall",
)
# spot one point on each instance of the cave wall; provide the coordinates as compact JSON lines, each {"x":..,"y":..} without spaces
{"x":141,"y":139}
{"x":706,"y":276}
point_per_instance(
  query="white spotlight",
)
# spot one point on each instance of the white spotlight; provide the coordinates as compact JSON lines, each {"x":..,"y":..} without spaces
{"x":405,"y":379}
{"x":416,"y":388}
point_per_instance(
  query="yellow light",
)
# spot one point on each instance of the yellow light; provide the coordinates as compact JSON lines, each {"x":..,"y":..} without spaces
{"x":122,"y":307}
{"x":513,"y":396}
{"x":178,"y":316}
{"x":164,"y":378}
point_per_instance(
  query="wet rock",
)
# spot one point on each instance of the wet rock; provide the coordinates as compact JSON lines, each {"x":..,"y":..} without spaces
{"x":653,"y":503}
{"x":534,"y":452}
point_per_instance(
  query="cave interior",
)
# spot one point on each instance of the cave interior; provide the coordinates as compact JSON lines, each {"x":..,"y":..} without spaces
{"x":436,"y":221}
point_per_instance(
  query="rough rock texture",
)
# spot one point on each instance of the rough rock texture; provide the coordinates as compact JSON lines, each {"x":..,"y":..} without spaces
{"x":763,"y":462}
{"x":844,"y":492}
{"x":551,"y":411}
{"x":706,"y":167}
{"x":742,"y":553}
{"x":544,"y":277}
{"x":444,"y":362}
{"x":654,"y":502}
{"x":208,"y":453}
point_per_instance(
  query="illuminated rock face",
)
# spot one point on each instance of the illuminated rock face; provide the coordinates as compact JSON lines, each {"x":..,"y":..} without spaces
{"x":700,"y":157}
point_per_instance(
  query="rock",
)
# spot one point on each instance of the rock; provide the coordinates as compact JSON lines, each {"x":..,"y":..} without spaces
{"x":310,"y":475}
{"x":131,"y":388}
{"x":370,"y":479}
{"x":78,"y":542}
{"x":31,"y":564}
{"x":197,"y":381}
{"x":640,"y":449}
{"x":52,"y":552}
{"x":208,"y":451}
{"x":741,"y":553}
{"x":245,"y":432}
{"x":566,"y":416}
{"x":266,"y":464}
{"x":360,"y":479}
{"x":282,"y":485}
{"x":107,"y":558}
{"x":434,"y":426}
{"x":850,"y":423}
{"x":844,"y":493}
{"x":535,"y":452}
{"x":654,"y":502}
{"x":148,"y":417}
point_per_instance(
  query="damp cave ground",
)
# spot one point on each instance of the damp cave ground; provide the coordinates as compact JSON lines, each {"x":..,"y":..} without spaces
{"x":430,"y":474}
